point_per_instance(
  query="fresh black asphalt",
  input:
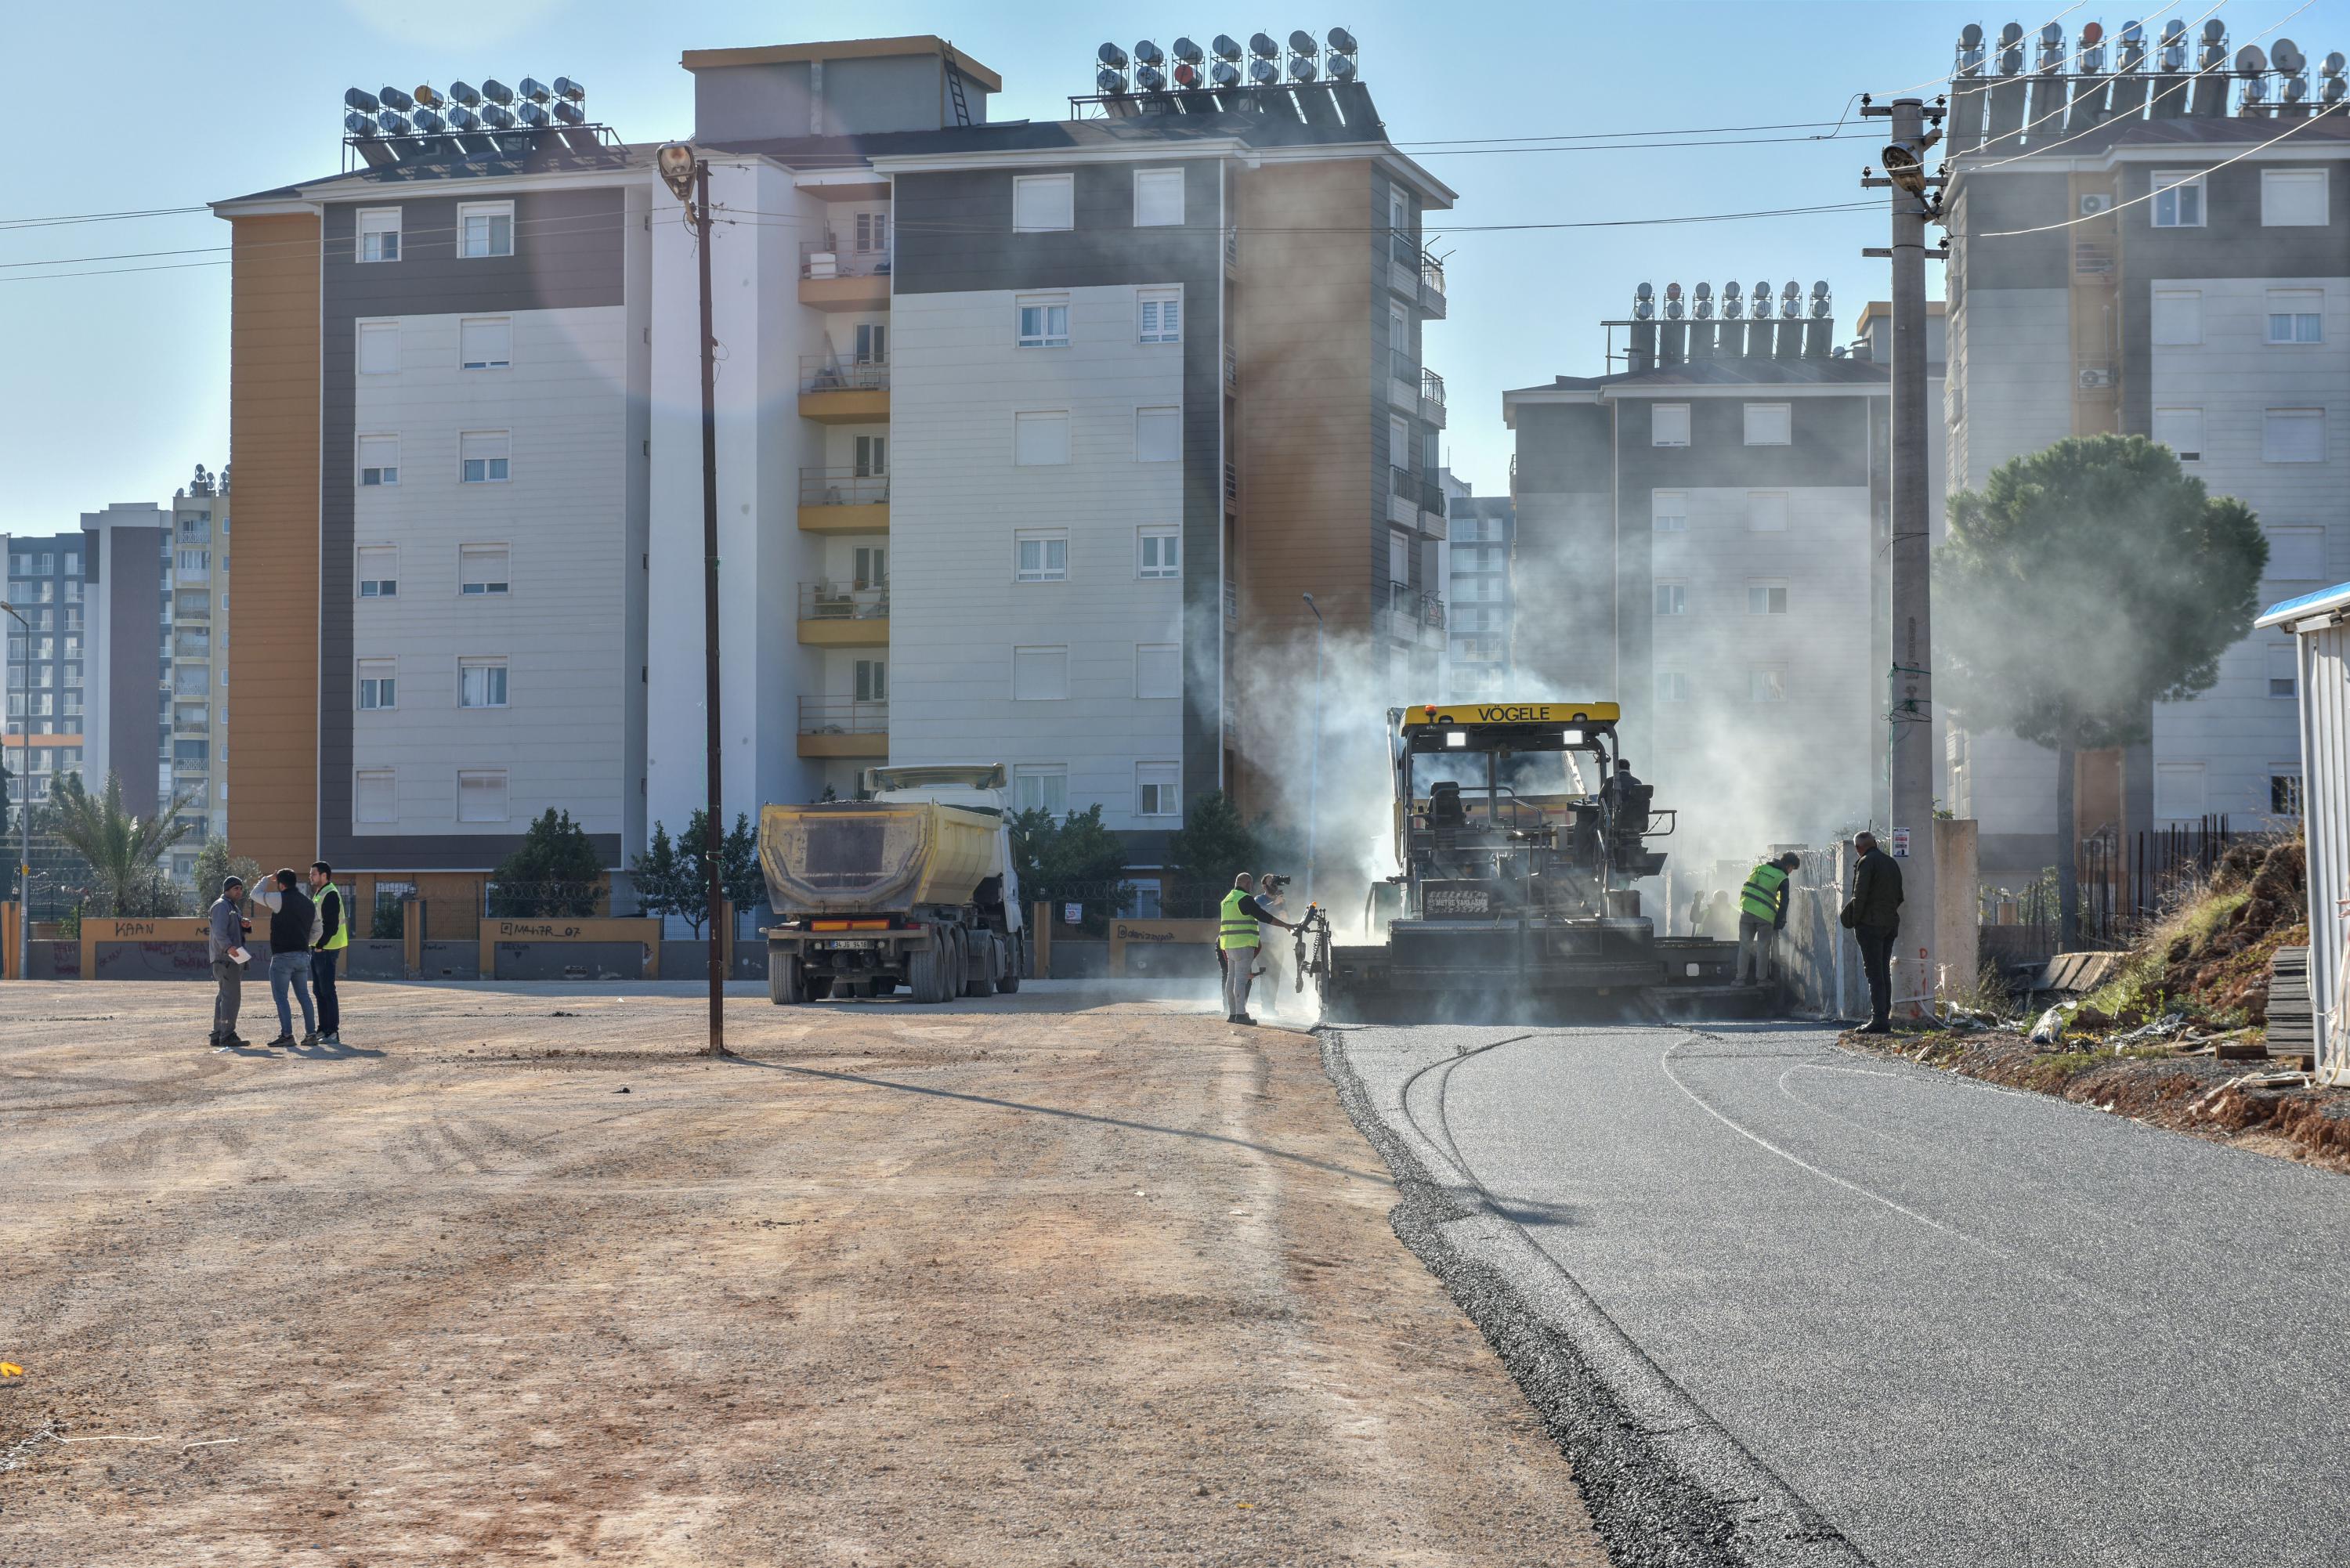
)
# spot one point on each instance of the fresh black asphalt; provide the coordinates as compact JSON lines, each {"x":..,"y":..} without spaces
{"x":1784,"y":1304}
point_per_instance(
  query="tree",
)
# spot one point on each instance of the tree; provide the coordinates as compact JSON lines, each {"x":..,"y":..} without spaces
{"x":1075,"y":858}
{"x":216,"y":864}
{"x":655,"y":873}
{"x":123,"y":850}
{"x":555,"y":870}
{"x":740,"y":875}
{"x":2082,"y":586}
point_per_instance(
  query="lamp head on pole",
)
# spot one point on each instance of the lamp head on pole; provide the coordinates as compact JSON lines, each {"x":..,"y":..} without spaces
{"x":1312,"y":605}
{"x":676,"y":164}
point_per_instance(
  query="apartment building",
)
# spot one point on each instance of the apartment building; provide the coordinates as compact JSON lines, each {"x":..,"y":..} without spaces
{"x":197,"y":653}
{"x":1477,"y":598}
{"x":2161,"y":247}
{"x":1704,"y":532}
{"x":49,"y":682}
{"x":1028,"y":433}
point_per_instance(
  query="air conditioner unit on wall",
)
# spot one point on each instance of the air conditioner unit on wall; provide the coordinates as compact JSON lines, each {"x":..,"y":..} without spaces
{"x":2096,"y":202}
{"x":2093,"y":379}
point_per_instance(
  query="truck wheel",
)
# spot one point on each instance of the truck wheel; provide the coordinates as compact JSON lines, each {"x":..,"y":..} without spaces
{"x":786,"y":980}
{"x":1010,"y":980}
{"x":927,"y":968}
{"x":980,"y":965}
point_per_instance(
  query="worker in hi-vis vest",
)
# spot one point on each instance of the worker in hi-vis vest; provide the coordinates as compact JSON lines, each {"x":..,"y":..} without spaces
{"x":333,"y":927}
{"x":1236,"y":944}
{"x":1762,"y":914}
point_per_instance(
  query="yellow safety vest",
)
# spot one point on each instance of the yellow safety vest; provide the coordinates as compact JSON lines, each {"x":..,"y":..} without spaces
{"x":1239,"y":930}
{"x":1760,"y":897}
{"x":342,"y":937}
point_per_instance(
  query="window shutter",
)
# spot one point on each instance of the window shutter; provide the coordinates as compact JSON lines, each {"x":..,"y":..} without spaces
{"x":2293,"y":435}
{"x":378,"y":347}
{"x":1158,"y":435}
{"x":1040,"y":674}
{"x":1158,"y":669}
{"x":1158,"y":197}
{"x":1042,"y":202}
{"x":1040,"y":439}
{"x":2293,"y":198}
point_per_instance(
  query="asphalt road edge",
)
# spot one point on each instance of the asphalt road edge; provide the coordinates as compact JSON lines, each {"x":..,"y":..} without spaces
{"x":1667,"y":1485}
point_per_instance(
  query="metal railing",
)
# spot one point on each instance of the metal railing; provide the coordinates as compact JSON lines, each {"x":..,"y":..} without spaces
{"x":1232,"y":605}
{"x":842,"y":487}
{"x":1231,"y":366}
{"x":824,"y":258}
{"x":1402,"y":248}
{"x":1431,"y":388}
{"x":537,"y":900}
{"x":1231,"y":247}
{"x":1232,"y":484}
{"x":843,"y":716}
{"x":1403,"y":366}
{"x":1431,"y":273}
{"x":845,"y":601}
{"x":1409,"y":603}
{"x":1406,"y":485}
{"x":831,"y":373}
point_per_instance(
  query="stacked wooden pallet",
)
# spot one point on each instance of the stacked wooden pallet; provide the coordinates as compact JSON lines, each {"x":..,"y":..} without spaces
{"x":2292,"y":1026}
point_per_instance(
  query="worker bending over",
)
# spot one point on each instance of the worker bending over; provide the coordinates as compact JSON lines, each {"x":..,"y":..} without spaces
{"x":1762,"y":914}
{"x":1237,"y":940}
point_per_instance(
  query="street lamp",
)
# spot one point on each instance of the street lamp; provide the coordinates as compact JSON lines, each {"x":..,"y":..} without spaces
{"x":1314,"y":763}
{"x":1905,"y":161}
{"x":25,"y":813}
{"x":688,"y":177}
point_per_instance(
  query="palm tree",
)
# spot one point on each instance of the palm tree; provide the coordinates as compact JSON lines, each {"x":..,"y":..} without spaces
{"x":121,"y":850}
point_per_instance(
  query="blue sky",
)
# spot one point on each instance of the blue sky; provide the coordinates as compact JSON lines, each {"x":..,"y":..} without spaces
{"x":112,"y":387}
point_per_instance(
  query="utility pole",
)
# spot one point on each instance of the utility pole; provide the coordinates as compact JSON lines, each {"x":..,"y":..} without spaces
{"x":688,"y":178}
{"x":1910,"y":679}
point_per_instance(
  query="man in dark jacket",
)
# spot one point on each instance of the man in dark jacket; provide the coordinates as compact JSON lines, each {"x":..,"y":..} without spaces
{"x":289,"y":956}
{"x":1874,"y":916}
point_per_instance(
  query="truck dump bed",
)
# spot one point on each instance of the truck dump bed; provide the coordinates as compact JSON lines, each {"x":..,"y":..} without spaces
{"x":848,"y":858}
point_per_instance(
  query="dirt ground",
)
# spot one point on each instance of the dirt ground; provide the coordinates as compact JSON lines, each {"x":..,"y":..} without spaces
{"x":522,"y":1280}
{"x":2222,"y":1101}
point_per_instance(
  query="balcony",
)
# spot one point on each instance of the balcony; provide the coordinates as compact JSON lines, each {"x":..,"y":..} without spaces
{"x":845,"y":615}
{"x":843,"y":727}
{"x":834,"y":279}
{"x":1414,"y":502}
{"x":1403,"y":380}
{"x":1233,"y":252}
{"x":1232,"y":607}
{"x":1414,"y":617}
{"x":837,"y":391}
{"x":1432,"y":399}
{"x":1231,"y":368}
{"x":1431,"y":287}
{"x":844,"y":501}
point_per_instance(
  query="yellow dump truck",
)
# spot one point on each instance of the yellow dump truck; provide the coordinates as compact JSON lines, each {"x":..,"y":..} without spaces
{"x":913,"y":886}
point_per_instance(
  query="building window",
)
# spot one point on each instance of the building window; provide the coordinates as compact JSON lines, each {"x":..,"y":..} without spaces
{"x":1159,"y":552}
{"x":481,"y":457}
{"x":481,"y":569}
{"x":872,"y":234}
{"x":871,"y":343}
{"x":481,"y":683}
{"x":1767,"y":599}
{"x":1041,"y":786}
{"x":1044,"y":320}
{"x":1669,"y":510}
{"x":2179,"y":790}
{"x":1040,"y":556}
{"x":1672,"y":686}
{"x":379,"y":459}
{"x":1767,"y":424}
{"x":482,"y":796}
{"x":2284,"y":673}
{"x":371,"y":796}
{"x":379,"y":571}
{"x":2292,"y":435}
{"x":1157,"y":789}
{"x":2297,"y":555}
{"x":2296,"y":315}
{"x":1161,"y":314}
{"x":1669,"y":424}
{"x":1043,"y":203}
{"x":1158,"y":669}
{"x":872,"y":681}
{"x":1040,"y":439}
{"x":1158,"y":435}
{"x":2177,"y":316}
{"x":485,"y":343}
{"x":1158,"y":197}
{"x":379,"y":684}
{"x":1766,"y":511}
{"x":2293,"y":198}
{"x":2181,"y":430}
{"x":378,"y":347}
{"x":485,"y":228}
{"x":1767,"y":684}
{"x":871,"y":565}
{"x":380,"y":235}
{"x":2177,"y":200}
{"x":1673,"y":598}
{"x":872,"y":456}
{"x":1040,"y":674}
{"x":2284,"y":790}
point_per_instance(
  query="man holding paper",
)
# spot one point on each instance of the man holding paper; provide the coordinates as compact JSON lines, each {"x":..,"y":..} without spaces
{"x":225,"y":937}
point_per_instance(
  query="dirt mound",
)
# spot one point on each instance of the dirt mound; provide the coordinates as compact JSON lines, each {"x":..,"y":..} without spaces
{"x":2210,"y":956}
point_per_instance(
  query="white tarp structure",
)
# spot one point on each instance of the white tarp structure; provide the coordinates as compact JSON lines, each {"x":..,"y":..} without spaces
{"x":2320,"y":623}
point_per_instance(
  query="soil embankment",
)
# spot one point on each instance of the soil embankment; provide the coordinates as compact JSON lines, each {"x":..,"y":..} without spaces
{"x":527,"y":1281}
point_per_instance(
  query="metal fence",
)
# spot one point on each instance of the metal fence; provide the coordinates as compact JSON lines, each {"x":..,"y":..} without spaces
{"x":842,"y":487}
{"x":843,"y":601}
{"x":2127,"y":884}
{"x":843,"y":716}
{"x":532,"y":900}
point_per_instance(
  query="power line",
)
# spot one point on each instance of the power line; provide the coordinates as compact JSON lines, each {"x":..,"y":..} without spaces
{"x":7,"y":225}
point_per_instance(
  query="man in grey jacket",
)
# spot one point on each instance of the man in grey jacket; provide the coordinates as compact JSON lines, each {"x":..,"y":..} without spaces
{"x":225,"y":933}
